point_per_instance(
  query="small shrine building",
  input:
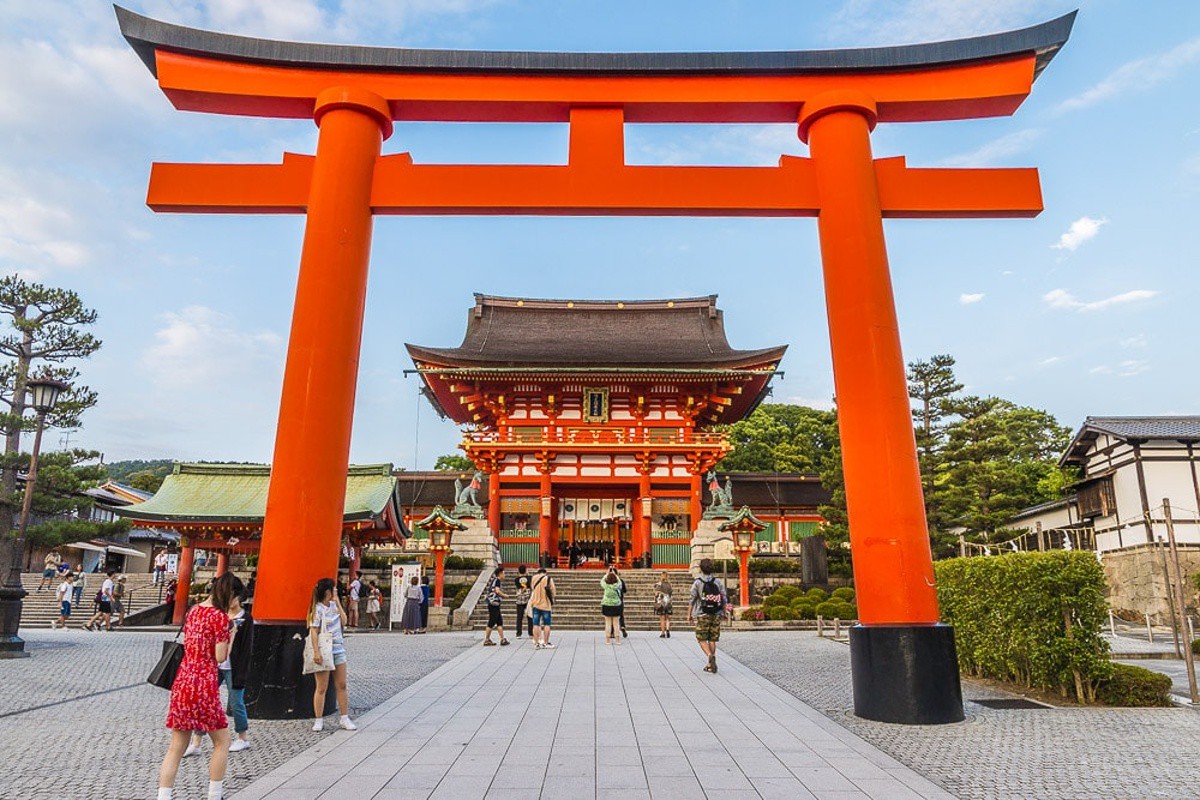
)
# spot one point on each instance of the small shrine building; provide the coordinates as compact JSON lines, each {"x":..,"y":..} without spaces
{"x":596,"y":427}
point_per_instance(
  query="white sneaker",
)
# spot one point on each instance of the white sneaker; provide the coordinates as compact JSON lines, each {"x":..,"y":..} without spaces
{"x":53,"y":624}
{"x":319,"y":725}
{"x":548,"y":646}
{"x":238,"y":745}
{"x":347,"y":725}
{"x":538,"y":645}
{"x":192,"y":750}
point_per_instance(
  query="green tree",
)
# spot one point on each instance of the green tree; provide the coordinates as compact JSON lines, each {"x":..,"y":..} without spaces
{"x":145,"y":481}
{"x":836,"y":529}
{"x":782,"y":438}
{"x":123,"y":471}
{"x":932,"y":386}
{"x":453,"y":462}
{"x":60,"y":506}
{"x":998,"y":458}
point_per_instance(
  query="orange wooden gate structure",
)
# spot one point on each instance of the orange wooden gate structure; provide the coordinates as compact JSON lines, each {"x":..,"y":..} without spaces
{"x":835,"y":97}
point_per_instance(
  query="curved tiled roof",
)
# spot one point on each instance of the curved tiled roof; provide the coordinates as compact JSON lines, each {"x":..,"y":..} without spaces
{"x":233,"y":493}
{"x":146,"y":35}
{"x":674,"y":333}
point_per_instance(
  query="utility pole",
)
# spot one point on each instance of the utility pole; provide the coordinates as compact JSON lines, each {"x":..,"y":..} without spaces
{"x":1181,"y":600}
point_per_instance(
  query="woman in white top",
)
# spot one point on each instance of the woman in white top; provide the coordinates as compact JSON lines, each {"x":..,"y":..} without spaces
{"x":326,"y":618}
{"x":410,"y":619}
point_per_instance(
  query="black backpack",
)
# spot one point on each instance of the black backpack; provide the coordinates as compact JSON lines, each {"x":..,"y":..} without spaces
{"x":710,"y":597}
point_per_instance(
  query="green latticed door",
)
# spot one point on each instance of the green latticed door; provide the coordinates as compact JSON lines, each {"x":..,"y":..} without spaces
{"x":799,"y":530}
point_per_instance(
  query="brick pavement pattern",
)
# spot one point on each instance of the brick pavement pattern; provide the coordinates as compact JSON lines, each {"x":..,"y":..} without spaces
{"x":998,"y":754}
{"x":78,"y":720}
{"x":589,"y":720}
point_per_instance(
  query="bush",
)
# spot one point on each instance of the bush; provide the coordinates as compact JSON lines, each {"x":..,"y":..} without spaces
{"x":843,"y":593}
{"x":846,"y":610}
{"x":804,"y":609}
{"x":775,"y":600}
{"x":1196,"y":647}
{"x":1134,"y":686}
{"x":829,"y":609}
{"x":752,"y":614}
{"x":788,"y":593}
{"x":459,"y":562}
{"x":1035,"y":619}
{"x":780,"y":613}
{"x":775,"y":565}
{"x":817,"y":595}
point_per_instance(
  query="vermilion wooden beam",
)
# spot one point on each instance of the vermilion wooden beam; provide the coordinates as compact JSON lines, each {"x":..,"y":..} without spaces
{"x":403,"y":188}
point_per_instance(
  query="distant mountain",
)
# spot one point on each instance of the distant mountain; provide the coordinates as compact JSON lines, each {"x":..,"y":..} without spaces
{"x":120,"y":471}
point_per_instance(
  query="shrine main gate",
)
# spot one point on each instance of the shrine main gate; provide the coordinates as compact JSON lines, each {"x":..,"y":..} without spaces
{"x":903,"y":659}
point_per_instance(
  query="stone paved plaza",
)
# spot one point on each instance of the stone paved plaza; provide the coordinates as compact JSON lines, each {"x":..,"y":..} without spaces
{"x":999,"y":754}
{"x":77,"y":720}
{"x":593,"y":720}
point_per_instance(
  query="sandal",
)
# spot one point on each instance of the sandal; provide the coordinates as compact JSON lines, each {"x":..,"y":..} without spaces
{"x":488,"y":643}
{"x":503,"y":642}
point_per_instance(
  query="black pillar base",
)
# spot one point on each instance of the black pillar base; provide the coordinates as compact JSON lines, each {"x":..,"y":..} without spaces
{"x":11,"y":645}
{"x":276,"y":687}
{"x":906,"y":674}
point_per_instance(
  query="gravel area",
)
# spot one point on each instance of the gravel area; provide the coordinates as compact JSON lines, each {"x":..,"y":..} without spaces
{"x":79,"y":720}
{"x":1047,"y":754}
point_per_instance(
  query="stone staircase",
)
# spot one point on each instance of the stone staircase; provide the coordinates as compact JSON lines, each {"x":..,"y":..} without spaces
{"x":578,"y":592}
{"x":39,"y":608}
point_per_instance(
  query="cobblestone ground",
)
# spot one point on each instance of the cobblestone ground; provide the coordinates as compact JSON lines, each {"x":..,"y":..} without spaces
{"x":1052,"y":754}
{"x":78,"y":720}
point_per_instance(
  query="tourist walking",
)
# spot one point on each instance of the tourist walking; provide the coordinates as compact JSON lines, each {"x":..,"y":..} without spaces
{"x":410,"y":617}
{"x":356,"y":593}
{"x":374,"y":604}
{"x":707,"y":606}
{"x":424,"y":603}
{"x":160,"y":567}
{"x":541,"y":599}
{"x":104,"y":603}
{"x":195,"y":696}
{"x":495,"y":597}
{"x":521,"y":598}
{"x":64,"y":593}
{"x":77,"y":600}
{"x":662,"y":606}
{"x":325,"y":621}
{"x":610,"y":606}
{"x":50,"y":568}
{"x":118,"y":600}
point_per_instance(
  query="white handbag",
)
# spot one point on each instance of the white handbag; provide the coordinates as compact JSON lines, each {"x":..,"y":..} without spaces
{"x":325,"y":642}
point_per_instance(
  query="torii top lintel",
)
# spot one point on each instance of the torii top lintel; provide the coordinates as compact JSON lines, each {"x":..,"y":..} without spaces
{"x":597,"y":93}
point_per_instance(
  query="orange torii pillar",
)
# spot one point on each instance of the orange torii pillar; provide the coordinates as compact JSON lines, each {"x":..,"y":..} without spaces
{"x":901,"y":654}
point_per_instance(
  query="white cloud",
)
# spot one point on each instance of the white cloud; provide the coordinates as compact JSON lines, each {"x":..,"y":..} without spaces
{"x":1134,"y":341}
{"x":1125,"y":369}
{"x":968,"y":299}
{"x":1081,"y":230}
{"x":820,"y":403}
{"x":1061,"y":298}
{"x":1136,"y":75}
{"x":1045,"y":362}
{"x":199,"y":348}
{"x":912,"y":21}
{"x":995,"y":151}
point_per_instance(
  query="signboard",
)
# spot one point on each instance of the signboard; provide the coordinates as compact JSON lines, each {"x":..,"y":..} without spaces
{"x":401,"y":575}
{"x":172,"y":563}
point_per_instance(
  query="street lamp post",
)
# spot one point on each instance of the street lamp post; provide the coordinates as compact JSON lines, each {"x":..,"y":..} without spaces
{"x":440,"y":526}
{"x":744,"y":526}
{"x":44,"y":394}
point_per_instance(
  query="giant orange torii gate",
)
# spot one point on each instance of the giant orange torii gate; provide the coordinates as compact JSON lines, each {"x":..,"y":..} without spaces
{"x":903,"y":659}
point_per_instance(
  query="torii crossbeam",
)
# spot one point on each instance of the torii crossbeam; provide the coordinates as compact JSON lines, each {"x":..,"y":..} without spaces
{"x":904,"y":662}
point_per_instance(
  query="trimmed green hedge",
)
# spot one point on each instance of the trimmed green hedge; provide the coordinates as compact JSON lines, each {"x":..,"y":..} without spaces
{"x":1135,"y":686}
{"x":1034,"y":619}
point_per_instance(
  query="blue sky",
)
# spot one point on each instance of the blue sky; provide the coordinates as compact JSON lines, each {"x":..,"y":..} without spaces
{"x":1081,"y":311}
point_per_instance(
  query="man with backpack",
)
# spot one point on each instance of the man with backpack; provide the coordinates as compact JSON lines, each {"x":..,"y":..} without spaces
{"x":495,"y":597}
{"x":707,"y":608}
{"x":104,"y":603}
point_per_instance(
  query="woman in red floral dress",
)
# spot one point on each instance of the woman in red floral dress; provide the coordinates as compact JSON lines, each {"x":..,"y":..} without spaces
{"x":195,"y":696}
